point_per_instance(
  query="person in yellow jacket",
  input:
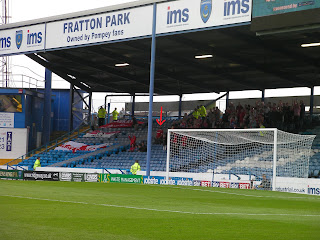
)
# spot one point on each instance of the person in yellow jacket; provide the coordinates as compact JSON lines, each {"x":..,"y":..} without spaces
{"x":101,"y":115}
{"x":196,"y":113}
{"x":135,"y":168}
{"x":261,"y":126}
{"x":115,"y":115}
{"x":36,"y":163}
{"x":202,"y":111}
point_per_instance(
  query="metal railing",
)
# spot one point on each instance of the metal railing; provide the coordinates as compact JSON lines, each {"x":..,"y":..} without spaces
{"x":24,"y":81}
{"x":44,"y":148}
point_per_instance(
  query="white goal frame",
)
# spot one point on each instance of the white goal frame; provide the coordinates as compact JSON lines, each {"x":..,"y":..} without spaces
{"x":258,"y":130}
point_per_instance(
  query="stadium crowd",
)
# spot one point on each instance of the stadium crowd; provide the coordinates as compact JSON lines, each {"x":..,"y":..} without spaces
{"x":282,"y":116}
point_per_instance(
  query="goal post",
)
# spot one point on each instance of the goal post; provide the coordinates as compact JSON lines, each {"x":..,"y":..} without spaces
{"x":245,"y":154}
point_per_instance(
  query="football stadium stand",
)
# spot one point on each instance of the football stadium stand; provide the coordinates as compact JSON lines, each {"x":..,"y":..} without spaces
{"x":117,"y":154}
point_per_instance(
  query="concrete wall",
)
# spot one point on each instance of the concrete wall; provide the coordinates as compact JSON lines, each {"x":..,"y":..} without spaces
{"x":191,"y":105}
{"x":167,"y":106}
{"x":290,"y":100}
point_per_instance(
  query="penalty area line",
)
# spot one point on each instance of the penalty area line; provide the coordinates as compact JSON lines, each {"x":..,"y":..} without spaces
{"x":162,"y":210}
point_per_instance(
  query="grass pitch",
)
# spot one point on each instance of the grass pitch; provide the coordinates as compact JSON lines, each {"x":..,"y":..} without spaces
{"x":70,"y":210}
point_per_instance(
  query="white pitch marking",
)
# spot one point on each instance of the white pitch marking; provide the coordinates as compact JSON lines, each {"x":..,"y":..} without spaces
{"x":163,"y":210}
{"x":238,"y":194}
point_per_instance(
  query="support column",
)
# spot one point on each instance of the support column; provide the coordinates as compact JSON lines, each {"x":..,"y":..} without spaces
{"x":90,"y":107}
{"x":151,"y":88}
{"x":311,"y":101}
{"x":180,"y":106}
{"x":71,"y":97}
{"x":108,"y":117}
{"x":227,"y":99}
{"x":47,"y":107}
{"x":262,"y":95}
{"x":133,"y":104}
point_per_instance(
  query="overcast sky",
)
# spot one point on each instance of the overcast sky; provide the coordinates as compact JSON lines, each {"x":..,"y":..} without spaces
{"x":32,"y":9}
{"x":22,"y":10}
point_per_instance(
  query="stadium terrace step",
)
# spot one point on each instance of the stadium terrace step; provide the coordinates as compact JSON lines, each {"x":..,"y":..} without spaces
{"x":83,"y":157}
{"x":32,"y":155}
{"x":5,"y":161}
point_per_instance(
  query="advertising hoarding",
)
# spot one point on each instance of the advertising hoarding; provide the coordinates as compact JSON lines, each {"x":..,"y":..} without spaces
{"x":65,"y":176}
{"x":91,"y":177}
{"x":271,"y":15}
{"x":263,"y":8}
{"x":43,"y":176}
{"x":10,"y":103}
{"x":172,"y":180}
{"x":6,"y":120}
{"x":120,"y":178}
{"x":78,"y":177}
{"x":13,"y":142}
{"x":11,"y":174}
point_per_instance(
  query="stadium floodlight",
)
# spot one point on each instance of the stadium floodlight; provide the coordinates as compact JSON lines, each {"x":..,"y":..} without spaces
{"x":310,"y":44}
{"x":121,"y":64}
{"x":245,"y":153}
{"x":203,"y":56}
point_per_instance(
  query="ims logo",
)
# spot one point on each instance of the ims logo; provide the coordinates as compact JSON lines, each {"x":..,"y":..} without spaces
{"x":235,"y":7}
{"x":34,"y":38}
{"x":5,"y":42}
{"x":177,"y":16}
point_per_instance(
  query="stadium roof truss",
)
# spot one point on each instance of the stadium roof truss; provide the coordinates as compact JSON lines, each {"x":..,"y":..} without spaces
{"x":240,"y":59}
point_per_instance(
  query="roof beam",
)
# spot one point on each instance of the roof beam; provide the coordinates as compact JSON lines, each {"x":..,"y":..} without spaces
{"x":190,"y":63}
{"x":61,"y":74}
{"x":160,"y":70}
{"x":258,"y":41}
{"x":261,"y":67}
{"x":108,"y":70}
{"x":241,"y":60}
{"x":79,"y":78}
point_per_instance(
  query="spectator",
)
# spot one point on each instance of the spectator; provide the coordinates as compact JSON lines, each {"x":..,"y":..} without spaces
{"x":196,"y":113}
{"x":274,"y":115}
{"x":133,"y":139}
{"x":242,"y":114}
{"x":36,"y":163}
{"x":264,"y":185}
{"x":101,"y":115}
{"x":122,"y":114}
{"x":142,"y":147}
{"x":135,"y":168}
{"x":296,"y":114}
{"x":217,"y":114}
{"x":302,"y":113}
{"x":159,"y":136}
{"x":115,"y":115}
{"x":185,"y":117}
{"x":202,"y":111}
{"x":164,"y":142}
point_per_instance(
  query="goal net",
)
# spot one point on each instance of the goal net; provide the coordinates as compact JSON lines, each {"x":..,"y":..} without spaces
{"x":246,"y":154}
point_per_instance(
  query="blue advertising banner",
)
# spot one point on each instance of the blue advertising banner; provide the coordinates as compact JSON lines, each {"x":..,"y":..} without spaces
{"x":172,"y":180}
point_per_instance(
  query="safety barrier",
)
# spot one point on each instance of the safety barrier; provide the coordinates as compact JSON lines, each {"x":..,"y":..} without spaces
{"x":293,"y":185}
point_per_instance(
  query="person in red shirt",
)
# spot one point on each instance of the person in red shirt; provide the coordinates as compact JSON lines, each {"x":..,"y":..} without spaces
{"x":159,"y":136}
{"x":133,"y":139}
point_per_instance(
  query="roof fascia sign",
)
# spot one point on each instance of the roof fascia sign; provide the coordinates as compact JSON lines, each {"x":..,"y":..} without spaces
{"x":172,"y":16}
{"x":22,"y":40}
{"x":106,"y":27}
{"x":190,"y":14}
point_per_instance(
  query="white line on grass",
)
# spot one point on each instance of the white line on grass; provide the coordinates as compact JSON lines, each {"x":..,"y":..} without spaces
{"x":163,"y":210}
{"x":238,"y":194}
